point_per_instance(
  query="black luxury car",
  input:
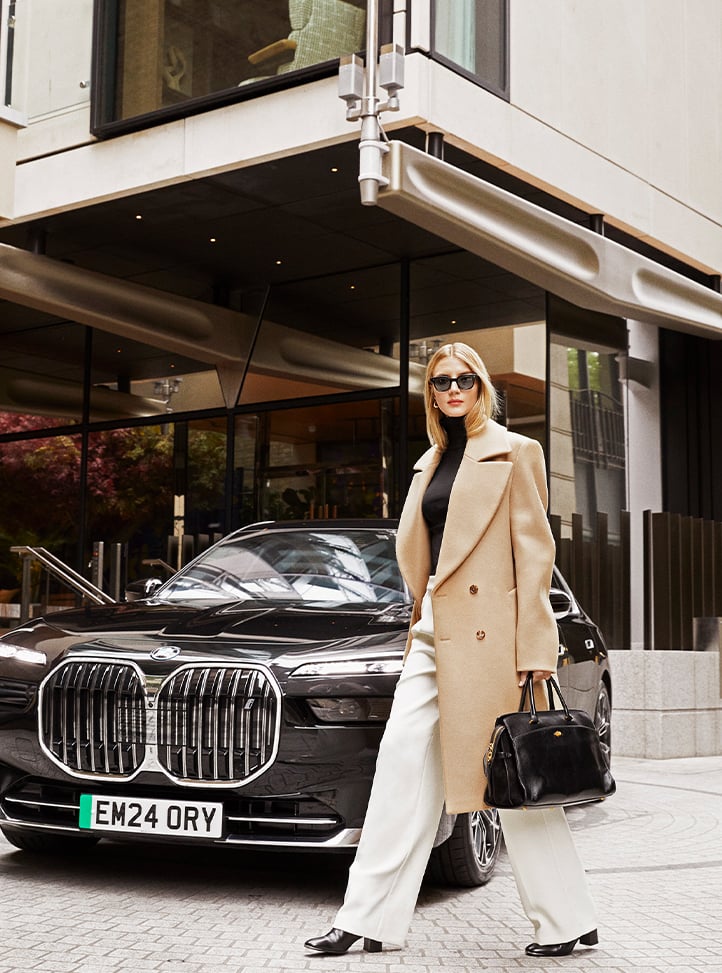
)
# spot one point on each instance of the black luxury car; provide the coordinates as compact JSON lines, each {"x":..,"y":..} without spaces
{"x":239,"y":703}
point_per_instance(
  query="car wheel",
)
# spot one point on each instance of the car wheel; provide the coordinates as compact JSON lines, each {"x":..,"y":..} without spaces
{"x":49,"y":844}
{"x":467,"y":858}
{"x":603,"y":721}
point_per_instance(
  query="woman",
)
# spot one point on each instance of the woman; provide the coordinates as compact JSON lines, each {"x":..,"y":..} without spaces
{"x":475,"y":548}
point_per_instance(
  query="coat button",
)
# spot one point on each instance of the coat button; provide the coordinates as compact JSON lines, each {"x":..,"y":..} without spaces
{"x":481,"y":634}
{"x":473,"y":589}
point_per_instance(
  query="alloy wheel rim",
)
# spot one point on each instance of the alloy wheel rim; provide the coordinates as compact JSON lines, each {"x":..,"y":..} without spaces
{"x":485,"y":834}
{"x":603,"y":723}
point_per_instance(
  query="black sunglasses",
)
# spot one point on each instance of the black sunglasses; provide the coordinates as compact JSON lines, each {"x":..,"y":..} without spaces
{"x":442,"y":383}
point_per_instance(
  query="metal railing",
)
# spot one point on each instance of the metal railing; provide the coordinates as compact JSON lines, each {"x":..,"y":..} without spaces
{"x":61,"y":571}
{"x":597,"y":429}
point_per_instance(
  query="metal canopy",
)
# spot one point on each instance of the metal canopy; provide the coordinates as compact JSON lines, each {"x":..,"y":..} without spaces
{"x":571,"y":261}
{"x":203,"y":332}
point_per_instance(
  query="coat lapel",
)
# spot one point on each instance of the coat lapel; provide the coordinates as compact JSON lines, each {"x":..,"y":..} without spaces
{"x":475,"y":496}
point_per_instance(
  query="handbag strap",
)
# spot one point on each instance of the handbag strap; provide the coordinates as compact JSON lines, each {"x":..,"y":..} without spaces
{"x":552,"y":688}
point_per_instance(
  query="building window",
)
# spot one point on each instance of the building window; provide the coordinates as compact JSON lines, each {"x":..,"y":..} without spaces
{"x":587,"y":462}
{"x":176,"y":56}
{"x":472,"y":37}
{"x":7,"y":50}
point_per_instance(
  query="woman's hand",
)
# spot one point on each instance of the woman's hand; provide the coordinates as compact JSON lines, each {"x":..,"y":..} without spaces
{"x":539,"y":675}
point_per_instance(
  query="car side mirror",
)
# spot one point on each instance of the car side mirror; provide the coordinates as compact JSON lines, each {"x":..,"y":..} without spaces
{"x":561,"y":602}
{"x":145,"y":588}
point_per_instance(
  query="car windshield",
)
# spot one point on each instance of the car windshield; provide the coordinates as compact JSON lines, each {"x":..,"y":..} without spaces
{"x":340,"y":566}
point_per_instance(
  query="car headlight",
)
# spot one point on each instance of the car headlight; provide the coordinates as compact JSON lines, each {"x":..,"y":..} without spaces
{"x":351,"y":667}
{"x":21,"y":654}
{"x":361,"y":709}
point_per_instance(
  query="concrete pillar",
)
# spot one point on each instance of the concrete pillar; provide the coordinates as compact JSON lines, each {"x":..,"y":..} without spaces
{"x":644,"y":455}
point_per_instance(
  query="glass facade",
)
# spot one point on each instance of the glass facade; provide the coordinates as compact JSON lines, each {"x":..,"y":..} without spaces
{"x":160,"y":55}
{"x":588,"y":479}
{"x":460,"y":297}
{"x":40,"y":481}
{"x":131,"y":445}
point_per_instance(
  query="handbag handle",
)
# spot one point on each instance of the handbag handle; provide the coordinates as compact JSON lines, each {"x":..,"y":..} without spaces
{"x":552,"y":687}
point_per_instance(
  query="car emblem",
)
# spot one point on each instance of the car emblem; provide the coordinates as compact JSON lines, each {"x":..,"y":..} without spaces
{"x":164,"y":652}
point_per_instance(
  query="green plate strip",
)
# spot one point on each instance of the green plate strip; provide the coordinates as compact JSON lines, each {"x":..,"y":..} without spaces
{"x":86,"y":811}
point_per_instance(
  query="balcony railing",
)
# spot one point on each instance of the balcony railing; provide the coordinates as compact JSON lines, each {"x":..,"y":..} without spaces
{"x":597,"y":429}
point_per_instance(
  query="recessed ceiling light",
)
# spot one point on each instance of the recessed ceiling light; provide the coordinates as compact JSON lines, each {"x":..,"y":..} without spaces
{"x":334,"y":168}
{"x":278,"y":263}
{"x":453,"y":320}
{"x":138,"y":216}
{"x":352,"y":287}
{"x":212,"y":239}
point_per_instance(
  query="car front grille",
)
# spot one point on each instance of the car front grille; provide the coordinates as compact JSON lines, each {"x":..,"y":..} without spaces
{"x":201,"y":725}
{"x":216,"y":724}
{"x":93,"y":718}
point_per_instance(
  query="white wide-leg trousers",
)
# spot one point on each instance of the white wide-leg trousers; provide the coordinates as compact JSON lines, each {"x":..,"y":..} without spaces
{"x":405,"y":806}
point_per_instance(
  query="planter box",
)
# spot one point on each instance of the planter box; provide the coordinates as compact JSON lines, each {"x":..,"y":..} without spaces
{"x":666,"y":704}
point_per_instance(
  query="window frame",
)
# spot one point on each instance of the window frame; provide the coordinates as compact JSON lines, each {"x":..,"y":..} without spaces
{"x":502,"y":91}
{"x":103,"y":124}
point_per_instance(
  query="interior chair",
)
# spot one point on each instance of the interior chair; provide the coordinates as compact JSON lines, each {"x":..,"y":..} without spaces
{"x":320,"y":31}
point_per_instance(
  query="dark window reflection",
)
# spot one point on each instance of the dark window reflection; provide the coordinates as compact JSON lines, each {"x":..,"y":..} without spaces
{"x":171,"y":51}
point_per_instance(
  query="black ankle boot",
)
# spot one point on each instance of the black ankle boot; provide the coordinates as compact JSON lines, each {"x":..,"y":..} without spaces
{"x":562,"y":949}
{"x":337,"y":941}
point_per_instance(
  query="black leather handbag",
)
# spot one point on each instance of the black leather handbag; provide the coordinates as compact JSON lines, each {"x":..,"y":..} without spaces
{"x":545,"y":758}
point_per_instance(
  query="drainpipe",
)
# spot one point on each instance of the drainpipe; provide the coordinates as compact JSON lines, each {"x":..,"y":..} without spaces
{"x":358,"y":87}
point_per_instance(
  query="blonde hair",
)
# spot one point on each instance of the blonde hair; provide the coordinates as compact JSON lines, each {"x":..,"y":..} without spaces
{"x":485,"y":406}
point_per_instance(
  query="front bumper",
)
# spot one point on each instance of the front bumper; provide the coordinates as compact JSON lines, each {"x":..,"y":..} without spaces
{"x":298,"y":822}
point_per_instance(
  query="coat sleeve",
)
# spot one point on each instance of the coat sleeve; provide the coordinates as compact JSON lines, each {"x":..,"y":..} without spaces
{"x":537,"y":639}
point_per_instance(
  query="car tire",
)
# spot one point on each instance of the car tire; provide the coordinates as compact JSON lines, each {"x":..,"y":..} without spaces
{"x":603,"y":720}
{"x":48,"y":844}
{"x":468,"y":857}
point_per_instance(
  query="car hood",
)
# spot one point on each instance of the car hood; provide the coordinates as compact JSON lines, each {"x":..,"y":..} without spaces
{"x":277,"y":635}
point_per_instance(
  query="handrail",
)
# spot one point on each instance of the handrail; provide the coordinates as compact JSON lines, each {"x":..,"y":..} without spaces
{"x":61,"y":571}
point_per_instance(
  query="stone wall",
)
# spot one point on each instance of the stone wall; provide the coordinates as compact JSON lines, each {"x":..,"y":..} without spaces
{"x":666,"y":704}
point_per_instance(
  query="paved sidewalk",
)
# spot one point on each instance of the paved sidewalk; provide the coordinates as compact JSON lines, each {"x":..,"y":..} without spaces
{"x":653,"y":854}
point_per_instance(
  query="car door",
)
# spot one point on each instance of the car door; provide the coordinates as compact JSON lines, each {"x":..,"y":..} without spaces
{"x":579,"y":654}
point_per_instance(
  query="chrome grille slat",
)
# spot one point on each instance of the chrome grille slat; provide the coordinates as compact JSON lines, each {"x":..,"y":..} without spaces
{"x":247,"y":741}
{"x":216,"y":724}
{"x":92,"y":715}
{"x":116,"y":722}
{"x":63,"y":711}
{"x":183,"y":735}
{"x":232,"y":721}
{"x":199,"y":711}
{"x":78,"y":694}
{"x":104,"y":728}
{"x":214,"y":729}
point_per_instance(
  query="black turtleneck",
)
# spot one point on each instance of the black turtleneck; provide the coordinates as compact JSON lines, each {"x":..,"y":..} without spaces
{"x":435,"y":503}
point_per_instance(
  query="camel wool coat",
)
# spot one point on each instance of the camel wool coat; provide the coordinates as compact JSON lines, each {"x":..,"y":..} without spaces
{"x":492,"y":615}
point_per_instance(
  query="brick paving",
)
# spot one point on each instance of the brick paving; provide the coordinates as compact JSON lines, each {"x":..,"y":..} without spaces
{"x":653,"y":854}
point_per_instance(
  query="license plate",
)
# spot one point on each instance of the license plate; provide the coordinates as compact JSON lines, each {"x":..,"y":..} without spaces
{"x":142,"y":815}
